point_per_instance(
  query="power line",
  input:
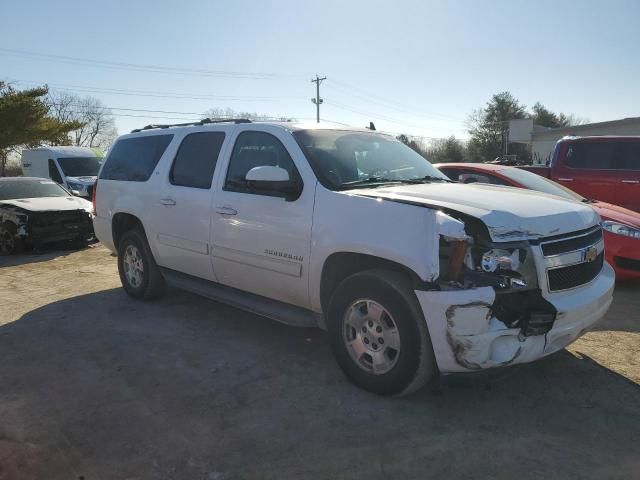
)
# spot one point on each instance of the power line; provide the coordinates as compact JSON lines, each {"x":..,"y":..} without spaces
{"x":374,"y":116}
{"x":189,"y":119}
{"x":138,"y":67}
{"x":143,"y":93}
{"x":127,"y":109}
{"x":77,"y":112}
{"x":156,"y":94}
{"x":387,"y":103}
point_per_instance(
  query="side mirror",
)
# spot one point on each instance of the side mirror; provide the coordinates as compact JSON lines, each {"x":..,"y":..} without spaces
{"x":267,"y":174}
{"x":75,"y":192}
{"x":273,"y":181}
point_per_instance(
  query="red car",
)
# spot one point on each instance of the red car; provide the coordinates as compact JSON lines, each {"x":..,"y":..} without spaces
{"x":621,"y":226}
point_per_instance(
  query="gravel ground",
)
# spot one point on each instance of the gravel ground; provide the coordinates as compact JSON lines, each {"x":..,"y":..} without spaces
{"x":94,"y":385}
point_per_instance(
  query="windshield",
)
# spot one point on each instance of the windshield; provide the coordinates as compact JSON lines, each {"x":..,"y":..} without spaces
{"x":16,"y":189}
{"x":79,"y":166}
{"x":533,"y":181}
{"x":344,"y":159}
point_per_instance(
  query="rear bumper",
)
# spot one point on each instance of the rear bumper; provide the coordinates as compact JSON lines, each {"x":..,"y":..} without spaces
{"x":466,"y":336}
{"x":102,"y":228}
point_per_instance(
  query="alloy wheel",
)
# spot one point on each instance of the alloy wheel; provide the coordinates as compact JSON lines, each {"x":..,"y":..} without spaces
{"x":133,"y":266}
{"x":371,"y":336}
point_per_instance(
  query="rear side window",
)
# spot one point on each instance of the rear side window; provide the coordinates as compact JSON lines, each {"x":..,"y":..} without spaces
{"x":604,"y":155}
{"x":133,"y":159}
{"x":196,"y":160}
{"x":629,"y":158}
{"x":591,"y":155}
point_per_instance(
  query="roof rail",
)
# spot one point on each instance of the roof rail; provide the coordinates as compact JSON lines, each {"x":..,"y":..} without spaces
{"x":204,"y":121}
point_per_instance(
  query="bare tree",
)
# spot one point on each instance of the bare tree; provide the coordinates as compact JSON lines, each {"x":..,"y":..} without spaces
{"x":98,"y":125}
{"x":222,"y":113}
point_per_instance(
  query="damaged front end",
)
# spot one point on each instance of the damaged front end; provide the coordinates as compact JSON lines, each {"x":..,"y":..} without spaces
{"x":37,"y":228}
{"x":486,"y":308}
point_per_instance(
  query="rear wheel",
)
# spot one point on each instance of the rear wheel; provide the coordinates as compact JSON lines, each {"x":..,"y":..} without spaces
{"x":9,"y":243}
{"x":139,"y":274}
{"x":378,"y":333}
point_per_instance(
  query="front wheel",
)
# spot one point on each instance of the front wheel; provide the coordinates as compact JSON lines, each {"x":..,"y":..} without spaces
{"x":378,"y":333}
{"x":139,"y":274}
{"x":9,"y":242}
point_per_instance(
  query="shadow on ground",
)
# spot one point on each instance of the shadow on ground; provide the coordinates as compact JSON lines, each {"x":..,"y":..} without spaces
{"x":624,"y":316}
{"x":46,"y":253}
{"x":100,"y":386}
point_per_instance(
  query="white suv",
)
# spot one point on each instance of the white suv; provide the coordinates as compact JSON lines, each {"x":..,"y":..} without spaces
{"x":351,"y":230}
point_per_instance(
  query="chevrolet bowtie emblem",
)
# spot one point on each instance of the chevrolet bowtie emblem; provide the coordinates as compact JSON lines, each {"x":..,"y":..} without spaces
{"x":590,"y":254}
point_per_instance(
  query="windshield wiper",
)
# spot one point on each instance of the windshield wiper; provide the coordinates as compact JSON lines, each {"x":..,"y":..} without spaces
{"x":383,"y":180}
{"x":426,"y":178}
{"x":368,"y":181}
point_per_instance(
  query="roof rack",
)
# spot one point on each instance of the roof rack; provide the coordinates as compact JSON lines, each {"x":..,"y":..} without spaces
{"x":204,"y":121}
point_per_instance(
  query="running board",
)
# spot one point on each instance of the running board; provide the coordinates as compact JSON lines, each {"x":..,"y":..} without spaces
{"x":250,"y":302}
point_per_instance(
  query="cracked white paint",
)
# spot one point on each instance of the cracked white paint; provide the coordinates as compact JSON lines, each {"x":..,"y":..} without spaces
{"x":510,"y":214}
{"x":450,"y":227}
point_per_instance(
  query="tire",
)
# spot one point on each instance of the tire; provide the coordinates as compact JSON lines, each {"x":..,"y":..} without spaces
{"x":80,"y":243}
{"x":140,"y":276}
{"x":9,"y":243}
{"x":360,"y":298}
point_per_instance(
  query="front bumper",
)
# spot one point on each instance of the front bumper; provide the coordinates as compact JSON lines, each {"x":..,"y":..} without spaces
{"x":623,"y":253}
{"x":466,"y":336}
{"x":54,"y":226}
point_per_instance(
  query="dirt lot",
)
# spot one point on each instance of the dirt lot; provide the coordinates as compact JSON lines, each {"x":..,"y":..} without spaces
{"x":94,"y":385}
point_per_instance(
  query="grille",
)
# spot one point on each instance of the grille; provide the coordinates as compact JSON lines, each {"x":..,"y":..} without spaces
{"x":564,"y":278}
{"x":571,"y":244}
{"x":50,"y":218}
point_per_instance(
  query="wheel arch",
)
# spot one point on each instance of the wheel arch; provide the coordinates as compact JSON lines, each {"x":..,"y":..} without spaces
{"x":122,"y":222}
{"x":341,"y":265}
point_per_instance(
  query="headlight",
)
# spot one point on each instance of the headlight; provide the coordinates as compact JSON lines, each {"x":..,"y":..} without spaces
{"x":502,"y":268}
{"x":498,"y":259}
{"x":621,"y":229}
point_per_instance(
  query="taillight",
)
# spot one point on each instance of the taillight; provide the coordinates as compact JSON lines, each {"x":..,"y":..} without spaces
{"x":93,"y":196}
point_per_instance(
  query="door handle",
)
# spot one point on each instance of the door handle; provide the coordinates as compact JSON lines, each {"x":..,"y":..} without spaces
{"x":226,"y":210}
{"x":630,"y":181}
{"x":565,"y":179}
{"x":169,"y":202}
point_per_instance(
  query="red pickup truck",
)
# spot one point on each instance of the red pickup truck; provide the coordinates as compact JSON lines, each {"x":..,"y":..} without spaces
{"x":605,"y":168}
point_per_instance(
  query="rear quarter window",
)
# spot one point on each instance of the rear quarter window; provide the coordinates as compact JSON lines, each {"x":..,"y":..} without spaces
{"x":591,"y":155}
{"x":134,"y":159}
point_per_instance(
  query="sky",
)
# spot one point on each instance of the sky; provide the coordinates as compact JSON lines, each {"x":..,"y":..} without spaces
{"x":418,"y":67}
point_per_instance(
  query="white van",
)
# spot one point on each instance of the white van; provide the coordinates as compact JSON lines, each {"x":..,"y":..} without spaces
{"x":75,"y":168}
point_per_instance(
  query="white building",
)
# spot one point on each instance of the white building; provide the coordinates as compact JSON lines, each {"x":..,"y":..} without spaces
{"x":543,"y":139}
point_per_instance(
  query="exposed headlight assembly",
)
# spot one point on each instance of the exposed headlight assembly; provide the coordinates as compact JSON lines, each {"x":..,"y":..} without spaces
{"x":502,"y":267}
{"x":498,"y":259}
{"x":621,"y":229}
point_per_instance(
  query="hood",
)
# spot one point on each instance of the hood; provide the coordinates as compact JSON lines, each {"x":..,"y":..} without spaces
{"x":510,"y":214}
{"x":616,"y":213}
{"x":82,"y":180}
{"x":43,"y":204}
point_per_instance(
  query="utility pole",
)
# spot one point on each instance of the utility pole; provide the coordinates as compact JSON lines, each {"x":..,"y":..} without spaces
{"x":317,"y":100}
